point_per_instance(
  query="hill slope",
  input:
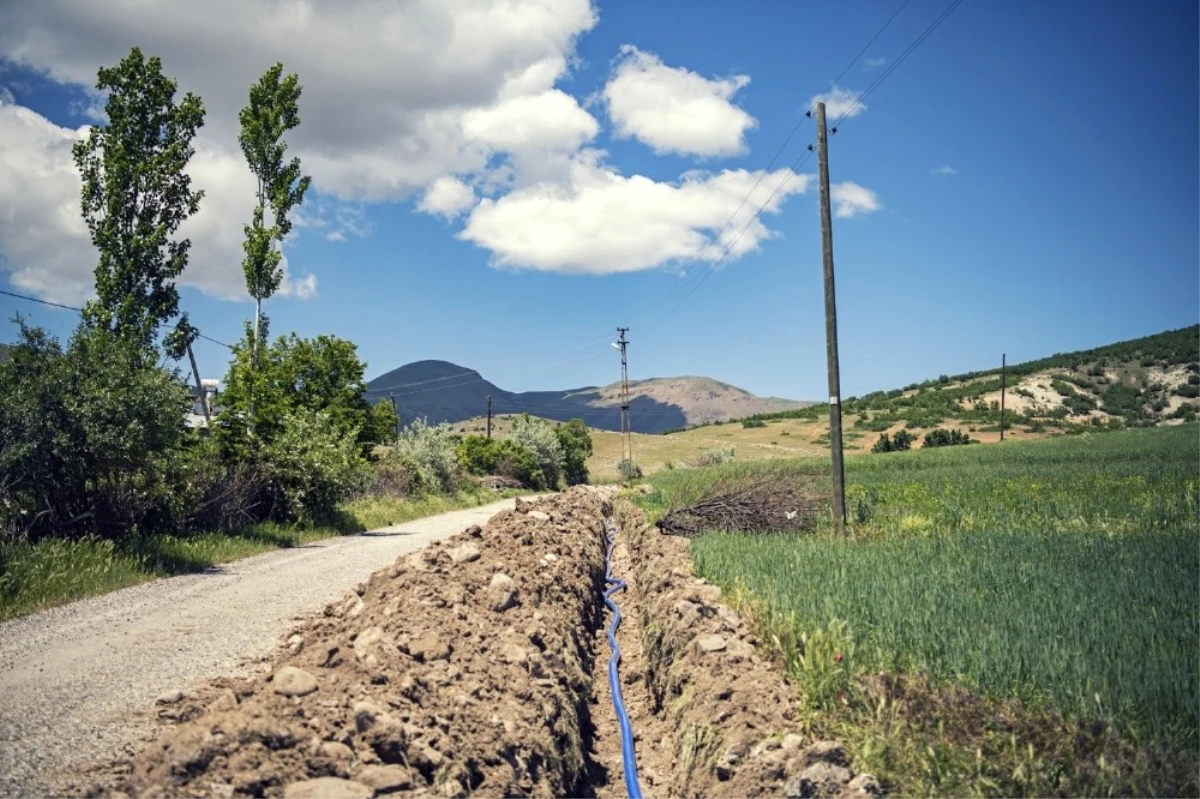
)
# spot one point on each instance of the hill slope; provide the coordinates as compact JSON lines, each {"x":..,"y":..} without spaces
{"x":1141,"y":382}
{"x":442,"y":391}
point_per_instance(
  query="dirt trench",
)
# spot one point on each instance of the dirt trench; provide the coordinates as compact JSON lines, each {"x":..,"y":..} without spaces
{"x":478,"y":667}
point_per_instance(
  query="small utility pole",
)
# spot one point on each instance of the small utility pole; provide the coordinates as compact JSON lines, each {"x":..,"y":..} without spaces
{"x":1003,"y":376}
{"x":626,"y":427}
{"x":199,"y":387}
{"x":831,"y":347}
{"x":395,"y":410}
{"x":489,"y":415}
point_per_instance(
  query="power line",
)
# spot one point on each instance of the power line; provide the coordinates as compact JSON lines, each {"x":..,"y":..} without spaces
{"x":80,"y":310}
{"x":43,"y":302}
{"x":892,"y":67}
{"x":423,"y":382}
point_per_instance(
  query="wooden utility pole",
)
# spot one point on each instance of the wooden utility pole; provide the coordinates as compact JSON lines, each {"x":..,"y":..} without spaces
{"x":199,"y":387}
{"x":626,"y":427}
{"x":489,"y":415}
{"x":395,"y":410}
{"x":831,"y":346}
{"x":1003,"y":376}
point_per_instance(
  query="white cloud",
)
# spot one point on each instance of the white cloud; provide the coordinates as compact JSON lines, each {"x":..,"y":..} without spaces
{"x":838,"y":103}
{"x":448,"y":197}
{"x":851,"y":199}
{"x":873,"y":63}
{"x":944,"y":169}
{"x":673,"y":109}
{"x":600,"y":221}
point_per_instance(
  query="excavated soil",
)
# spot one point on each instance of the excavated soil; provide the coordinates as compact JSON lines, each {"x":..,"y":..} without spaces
{"x":478,"y":667}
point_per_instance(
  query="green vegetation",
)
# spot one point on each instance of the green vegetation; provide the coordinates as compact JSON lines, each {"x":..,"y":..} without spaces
{"x":56,"y":570}
{"x":748,"y":423}
{"x":1032,"y":609}
{"x":945,"y":438}
{"x":901,"y":442}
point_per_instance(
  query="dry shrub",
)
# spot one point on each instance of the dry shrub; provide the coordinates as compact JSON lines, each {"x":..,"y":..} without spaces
{"x":757,"y":503}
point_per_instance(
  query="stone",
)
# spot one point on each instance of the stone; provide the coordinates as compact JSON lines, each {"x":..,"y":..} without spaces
{"x":291,"y":681}
{"x":502,"y":592}
{"x":366,"y":713}
{"x":429,"y":648}
{"x":549,"y":557}
{"x":386,"y":779}
{"x":792,"y":742}
{"x":295,"y":644}
{"x":328,"y":788}
{"x":464,"y":554}
{"x":372,"y":648}
{"x":710,"y":642}
{"x":864,"y":785}
{"x":514,"y":654}
{"x":335,"y":750}
{"x":819,"y":779}
{"x":827,"y":751}
{"x":226,"y":701}
{"x":171,"y":697}
{"x":541,"y":516}
{"x":426,"y":759}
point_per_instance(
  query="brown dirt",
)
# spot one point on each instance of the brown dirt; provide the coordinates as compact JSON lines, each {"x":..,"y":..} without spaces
{"x":478,"y":667}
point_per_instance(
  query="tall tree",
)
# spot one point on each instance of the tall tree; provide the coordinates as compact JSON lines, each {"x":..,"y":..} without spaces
{"x":136,"y":194}
{"x":272,"y":112}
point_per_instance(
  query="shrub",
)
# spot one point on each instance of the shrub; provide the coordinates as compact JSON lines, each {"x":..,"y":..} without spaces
{"x":1123,"y":400}
{"x":717,"y":456}
{"x":539,"y":438}
{"x":576,"y":445}
{"x":431,"y":453}
{"x":902,"y":441}
{"x":310,"y":467}
{"x":501,"y":457}
{"x":1191,"y":390}
{"x":946,"y":438}
{"x":629,"y":470}
{"x":748,"y":423}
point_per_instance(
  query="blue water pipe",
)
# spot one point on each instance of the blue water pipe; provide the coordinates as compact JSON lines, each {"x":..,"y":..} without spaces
{"x":628,"y":756}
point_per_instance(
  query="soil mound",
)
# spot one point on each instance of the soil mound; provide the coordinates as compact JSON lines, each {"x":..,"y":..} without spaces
{"x":463,"y":668}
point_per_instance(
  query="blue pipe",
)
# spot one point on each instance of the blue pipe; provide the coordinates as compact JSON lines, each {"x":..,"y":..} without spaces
{"x":628,"y":756}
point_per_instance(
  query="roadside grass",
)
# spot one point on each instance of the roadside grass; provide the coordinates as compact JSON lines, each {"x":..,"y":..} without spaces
{"x":1010,"y":620}
{"x":55,"y":571}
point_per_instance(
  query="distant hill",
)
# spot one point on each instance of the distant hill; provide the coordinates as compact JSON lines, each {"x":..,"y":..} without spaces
{"x":1145,"y":381}
{"x":4,"y":348}
{"x":442,"y":391}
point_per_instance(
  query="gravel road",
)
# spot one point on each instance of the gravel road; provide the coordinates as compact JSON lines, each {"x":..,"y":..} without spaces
{"x":75,"y":681}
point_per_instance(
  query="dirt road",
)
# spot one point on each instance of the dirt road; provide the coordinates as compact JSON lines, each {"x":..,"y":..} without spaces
{"x":73,"y":678}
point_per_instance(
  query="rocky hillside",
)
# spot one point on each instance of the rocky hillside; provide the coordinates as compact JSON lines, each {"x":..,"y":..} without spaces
{"x":1142,"y":382}
{"x":442,"y":391}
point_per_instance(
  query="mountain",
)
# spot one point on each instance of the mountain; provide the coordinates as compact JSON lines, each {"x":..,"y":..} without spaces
{"x":442,"y":391}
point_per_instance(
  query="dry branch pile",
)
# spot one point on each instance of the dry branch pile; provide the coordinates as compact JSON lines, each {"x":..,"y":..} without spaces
{"x":773,"y":501}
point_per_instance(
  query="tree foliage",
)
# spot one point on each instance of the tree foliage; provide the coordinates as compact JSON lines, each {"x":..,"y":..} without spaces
{"x":272,"y":111}
{"x":136,"y":193}
{"x":576,"y":445}
{"x":538,"y":436}
{"x":321,"y":374}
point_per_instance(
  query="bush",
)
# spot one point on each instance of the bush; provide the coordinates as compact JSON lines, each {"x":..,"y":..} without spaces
{"x":629,"y":470}
{"x":1190,"y":390}
{"x":576,"y":445}
{"x":540,"y":439}
{"x":717,"y":456}
{"x":946,"y":438}
{"x":87,"y":437}
{"x":310,"y":467}
{"x":431,"y":453}
{"x":501,"y":457}
{"x":903,"y":440}
{"x":748,"y":423}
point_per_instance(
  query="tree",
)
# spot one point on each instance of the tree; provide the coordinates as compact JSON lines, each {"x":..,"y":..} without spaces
{"x":135,"y":195}
{"x":576,"y":446}
{"x":538,"y":436}
{"x":322,"y":374}
{"x":272,"y":111}
{"x":384,"y":423}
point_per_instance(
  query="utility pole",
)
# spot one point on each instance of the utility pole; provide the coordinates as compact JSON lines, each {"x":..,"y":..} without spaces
{"x":831,"y":346}
{"x":626,"y":427}
{"x":199,"y":387}
{"x":1003,"y":376}
{"x":395,"y":410}
{"x":489,"y":414}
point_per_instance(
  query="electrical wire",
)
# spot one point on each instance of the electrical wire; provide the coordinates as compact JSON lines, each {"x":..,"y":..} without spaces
{"x":80,"y":310}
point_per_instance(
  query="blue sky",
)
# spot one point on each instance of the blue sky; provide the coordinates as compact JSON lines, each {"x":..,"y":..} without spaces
{"x":1069,"y":221}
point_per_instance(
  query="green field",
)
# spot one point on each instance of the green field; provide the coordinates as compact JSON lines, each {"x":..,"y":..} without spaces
{"x":1053,"y":581}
